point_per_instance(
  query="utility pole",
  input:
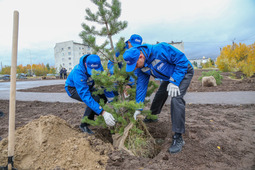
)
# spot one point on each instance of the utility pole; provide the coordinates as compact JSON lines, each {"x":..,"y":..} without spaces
{"x":234,"y":43}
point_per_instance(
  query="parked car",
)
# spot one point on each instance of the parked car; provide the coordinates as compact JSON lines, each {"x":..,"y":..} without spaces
{"x":5,"y":77}
{"x":21,"y":76}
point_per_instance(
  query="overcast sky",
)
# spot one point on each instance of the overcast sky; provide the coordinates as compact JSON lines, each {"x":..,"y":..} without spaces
{"x":204,"y":26}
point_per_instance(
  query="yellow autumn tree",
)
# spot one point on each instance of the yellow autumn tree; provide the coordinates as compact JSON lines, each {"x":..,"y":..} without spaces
{"x":21,"y":69}
{"x":237,"y":57}
{"x":37,"y":69}
{"x":248,"y":63}
{"x":6,"y":70}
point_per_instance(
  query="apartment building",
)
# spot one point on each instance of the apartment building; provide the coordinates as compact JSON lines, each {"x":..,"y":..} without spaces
{"x":67,"y":54}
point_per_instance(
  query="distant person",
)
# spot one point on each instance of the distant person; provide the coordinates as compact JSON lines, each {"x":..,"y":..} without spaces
{"x":167,"y":63}
{"x":80,"y":85}
{"x":61,"y":73}
{"x":1,"y":114}
{"x":64,"y":72}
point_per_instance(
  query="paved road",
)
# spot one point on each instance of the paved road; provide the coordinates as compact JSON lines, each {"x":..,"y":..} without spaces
{"x":237,"y":97}
{"x":31,"y":96}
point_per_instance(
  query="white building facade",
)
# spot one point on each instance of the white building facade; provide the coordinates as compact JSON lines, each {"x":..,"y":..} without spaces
{"x":199,"y":61}
{"x":67,"y":54}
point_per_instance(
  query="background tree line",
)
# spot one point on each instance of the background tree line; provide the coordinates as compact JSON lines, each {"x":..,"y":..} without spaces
{"x":237,"y":57}
{"x":36,"y":69}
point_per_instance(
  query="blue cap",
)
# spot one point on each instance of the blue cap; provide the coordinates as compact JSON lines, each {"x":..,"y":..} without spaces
{"x":131,"y":57}
{"x":93,"y":62}
{"x":117,"y":52}
{"x":135,"y":40}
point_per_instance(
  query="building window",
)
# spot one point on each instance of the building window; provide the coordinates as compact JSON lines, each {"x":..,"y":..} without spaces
{"x":63,"y":64}
{"x":63,"y":59}
{"x":69,"y":53}
{"x":63,"y":54}
{"x":69,"y":58}
{"x":70,"y":64}
{"x":69,"y":48}
{"x":62,"y":49}
{"x":79,"y":48}
{"x":70,"y":69}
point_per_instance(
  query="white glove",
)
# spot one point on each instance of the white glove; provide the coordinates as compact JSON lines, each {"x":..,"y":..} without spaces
{"x":109,"y":99}
{"x":173,"y":90}
{"x":126,"y":95}
{"x":136,"y":113}
{"x":109,"y":119}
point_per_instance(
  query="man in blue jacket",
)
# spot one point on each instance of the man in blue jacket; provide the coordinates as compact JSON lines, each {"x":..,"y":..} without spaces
{"x":79,"y":85}
{"x":167,"y":63}
{"x":133,"y":41}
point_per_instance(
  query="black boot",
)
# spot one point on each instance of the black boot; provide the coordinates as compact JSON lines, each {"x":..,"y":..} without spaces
{"x":177,"y":144}
{"x":146,"y":120}
{"x":84,"y":128}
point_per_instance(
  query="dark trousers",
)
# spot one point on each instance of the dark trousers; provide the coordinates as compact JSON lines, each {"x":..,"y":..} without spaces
{"x":88,"y":111}
{"x":177,"y":103}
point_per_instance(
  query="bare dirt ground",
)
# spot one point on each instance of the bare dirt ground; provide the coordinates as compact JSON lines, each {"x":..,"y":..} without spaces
{"x":217,"y":136}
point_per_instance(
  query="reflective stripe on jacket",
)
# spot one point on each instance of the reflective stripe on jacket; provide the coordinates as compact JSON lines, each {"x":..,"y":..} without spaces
{"x":162,"y":61}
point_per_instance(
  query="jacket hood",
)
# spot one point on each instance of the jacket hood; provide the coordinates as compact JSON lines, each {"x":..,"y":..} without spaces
{"x":147,"y":51}
{"x":81,"y":64}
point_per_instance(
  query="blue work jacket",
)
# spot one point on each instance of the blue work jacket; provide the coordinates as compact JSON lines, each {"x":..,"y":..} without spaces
{"x":162,"y":61}
{"x":110,"y":66}
{"x":83,"y":83}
